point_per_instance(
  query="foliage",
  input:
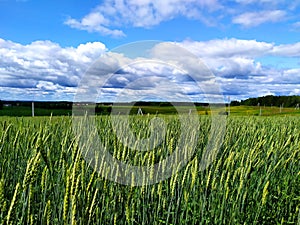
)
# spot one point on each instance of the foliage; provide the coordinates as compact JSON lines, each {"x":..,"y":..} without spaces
{"x":270,"y":100}
{"x":235,"y":103}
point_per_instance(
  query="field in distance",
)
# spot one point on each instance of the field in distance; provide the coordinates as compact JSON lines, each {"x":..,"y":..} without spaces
{"x":20,"y":111}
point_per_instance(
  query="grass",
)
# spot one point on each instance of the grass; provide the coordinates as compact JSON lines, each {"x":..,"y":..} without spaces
{"x":254,"y":179}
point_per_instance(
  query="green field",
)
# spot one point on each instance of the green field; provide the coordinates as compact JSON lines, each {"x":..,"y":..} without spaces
{"x":254,"y":179}
{"x":265,"y":111}
{"x":21,"y":111}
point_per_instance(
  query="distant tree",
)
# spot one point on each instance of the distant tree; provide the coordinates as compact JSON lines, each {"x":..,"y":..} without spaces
{"x":104,"y":110}
{"x":235,"y":103}
{"x":1,"y":104}
{"x":250,"y":101}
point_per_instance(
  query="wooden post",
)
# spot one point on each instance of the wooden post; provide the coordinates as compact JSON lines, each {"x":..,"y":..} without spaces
{"x":32,"y":109}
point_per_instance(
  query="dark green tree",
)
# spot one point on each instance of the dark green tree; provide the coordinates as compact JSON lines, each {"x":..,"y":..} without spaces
{"x":235,"y":103}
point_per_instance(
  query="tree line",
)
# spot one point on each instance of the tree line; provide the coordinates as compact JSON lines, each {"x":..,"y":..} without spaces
{"x":271,"y":100}
{"x":38,"y":104}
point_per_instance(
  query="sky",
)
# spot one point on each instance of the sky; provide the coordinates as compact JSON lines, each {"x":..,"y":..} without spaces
{"x":49,"y":48}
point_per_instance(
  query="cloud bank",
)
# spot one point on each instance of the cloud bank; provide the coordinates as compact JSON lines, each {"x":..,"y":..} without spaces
{"x":44,"y":70}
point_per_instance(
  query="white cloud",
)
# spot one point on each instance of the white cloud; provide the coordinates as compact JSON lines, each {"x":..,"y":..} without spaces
{"x":44,"y":65}
{"x":289,"y":50}
{"x":140,"y":13}
{"x":88,"y":24}
{"x":228,"y":47}
{"x":45,"y":70}
{"x":231,"y":58}
{"x":239,"y":71}
{"x":252,"y":19}
{"x":111,"y":17}
{"x":167,"y":71}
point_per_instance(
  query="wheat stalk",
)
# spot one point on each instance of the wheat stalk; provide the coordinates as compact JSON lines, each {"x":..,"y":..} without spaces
{"x":12,"y":204}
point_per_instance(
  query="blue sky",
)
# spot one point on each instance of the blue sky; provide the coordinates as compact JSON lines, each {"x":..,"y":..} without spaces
{"x":251,"y":46}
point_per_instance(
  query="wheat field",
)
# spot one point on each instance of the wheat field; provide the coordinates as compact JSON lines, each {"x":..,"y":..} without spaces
{"x":254,"y":179}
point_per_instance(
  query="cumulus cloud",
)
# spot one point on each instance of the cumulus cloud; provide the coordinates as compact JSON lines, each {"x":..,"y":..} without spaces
{"x":228,"y":47}
{"x":45,"y":70}
{"x":231,"y":58}
{"x":288,"y":50}
{"x":44,"y":65}
{"x":237,"y":66}
{"x":92,"y":23}
{"x":167,"y":71}
{"x":109,"y":15}
{"x":252,"y":19}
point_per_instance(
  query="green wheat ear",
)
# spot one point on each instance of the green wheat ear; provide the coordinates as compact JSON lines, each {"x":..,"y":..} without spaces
{"x":48,"y":212}
{"x":12,"y":204}
{"x":66,"y":198}
{"x":31,"y":170}
{"x":265,"y":193}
